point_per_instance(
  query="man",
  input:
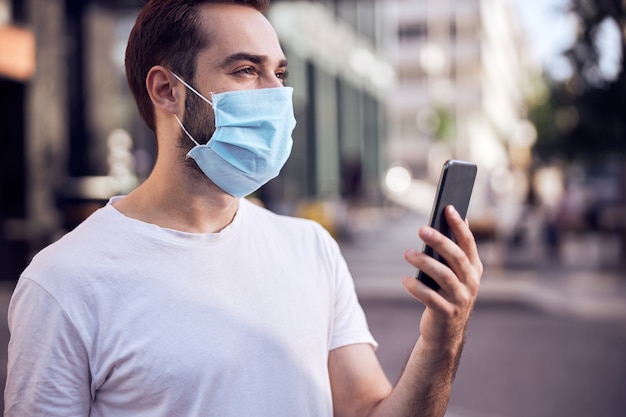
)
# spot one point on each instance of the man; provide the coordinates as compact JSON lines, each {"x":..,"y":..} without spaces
{"x":182,"y":298}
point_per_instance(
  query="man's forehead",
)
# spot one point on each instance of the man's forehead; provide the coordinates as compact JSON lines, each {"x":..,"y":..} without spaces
{"x":230,"y":16}
{"x":237,"y":32}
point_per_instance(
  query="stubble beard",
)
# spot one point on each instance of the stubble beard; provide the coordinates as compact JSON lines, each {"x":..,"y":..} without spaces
{"x":199,"y":120}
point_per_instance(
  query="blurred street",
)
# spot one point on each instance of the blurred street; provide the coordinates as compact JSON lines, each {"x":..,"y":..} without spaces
{"x":548,"y":341}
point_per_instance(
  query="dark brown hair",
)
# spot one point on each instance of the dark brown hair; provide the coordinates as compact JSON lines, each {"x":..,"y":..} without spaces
{"x":168,"y":33}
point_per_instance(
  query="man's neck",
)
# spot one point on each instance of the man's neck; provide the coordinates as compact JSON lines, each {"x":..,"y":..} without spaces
{"x":180,"y":200}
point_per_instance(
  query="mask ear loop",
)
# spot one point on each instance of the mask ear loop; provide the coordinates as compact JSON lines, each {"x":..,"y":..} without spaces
{"x":199,"y":95}
{"x":192,"y":89}
{"x":185,"y":130}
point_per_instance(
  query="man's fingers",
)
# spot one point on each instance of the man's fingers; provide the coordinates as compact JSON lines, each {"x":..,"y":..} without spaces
{"x":466,"y":242}
{"x":462,"y":233}
{"x":462,"y":256}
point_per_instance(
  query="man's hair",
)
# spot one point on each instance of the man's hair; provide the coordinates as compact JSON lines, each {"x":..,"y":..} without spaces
{"x":168,"y":33}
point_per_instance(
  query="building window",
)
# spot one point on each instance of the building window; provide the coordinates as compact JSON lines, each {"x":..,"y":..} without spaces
{"x":412,"y":31}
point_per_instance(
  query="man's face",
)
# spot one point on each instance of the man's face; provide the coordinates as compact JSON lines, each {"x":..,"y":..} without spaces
{"x":244,"y":54}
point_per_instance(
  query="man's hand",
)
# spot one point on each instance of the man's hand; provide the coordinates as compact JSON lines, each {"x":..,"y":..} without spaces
{"x":447,"y":314}
{"x":358,"y":383}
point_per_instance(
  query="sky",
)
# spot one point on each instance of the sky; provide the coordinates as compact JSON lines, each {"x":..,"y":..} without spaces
{"x":550,"y":31}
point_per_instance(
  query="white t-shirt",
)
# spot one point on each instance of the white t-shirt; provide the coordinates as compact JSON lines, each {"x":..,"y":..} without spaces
{"x":123,"y":318}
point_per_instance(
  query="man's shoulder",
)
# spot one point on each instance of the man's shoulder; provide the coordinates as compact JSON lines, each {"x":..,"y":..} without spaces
{"x":284,"y":222}
{"x":94,"y":228}
{"x":76,"y":248}
{"x":293,"y":233}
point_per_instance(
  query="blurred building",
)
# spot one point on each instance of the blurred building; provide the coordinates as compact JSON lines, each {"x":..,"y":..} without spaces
{"x":464,"y":77}
{"x":66,"y":120}
{"x":17,"y":69}
{"x":340,"y":85}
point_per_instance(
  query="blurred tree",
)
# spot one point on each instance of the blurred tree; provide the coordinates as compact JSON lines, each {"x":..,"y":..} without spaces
{"x":584,"y":117}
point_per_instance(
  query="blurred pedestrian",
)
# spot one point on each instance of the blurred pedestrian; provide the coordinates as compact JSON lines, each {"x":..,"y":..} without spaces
{"x":183,"y":298}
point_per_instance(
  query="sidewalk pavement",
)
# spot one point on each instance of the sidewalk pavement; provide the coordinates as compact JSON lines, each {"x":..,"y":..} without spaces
{"x":584,"y":294}
{"x":583,"y":289}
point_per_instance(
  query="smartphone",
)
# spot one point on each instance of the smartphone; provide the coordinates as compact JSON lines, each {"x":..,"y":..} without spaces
{"x":455,"y":188}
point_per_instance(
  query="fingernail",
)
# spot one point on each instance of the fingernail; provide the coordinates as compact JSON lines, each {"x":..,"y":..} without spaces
{"x":426,"y":232}
{"x":451,"y":210}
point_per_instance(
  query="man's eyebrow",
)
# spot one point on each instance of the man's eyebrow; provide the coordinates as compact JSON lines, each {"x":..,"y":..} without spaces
{"x":243,"y":56}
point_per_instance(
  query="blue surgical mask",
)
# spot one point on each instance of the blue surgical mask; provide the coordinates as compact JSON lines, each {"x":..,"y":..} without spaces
{"x":252,"y":138}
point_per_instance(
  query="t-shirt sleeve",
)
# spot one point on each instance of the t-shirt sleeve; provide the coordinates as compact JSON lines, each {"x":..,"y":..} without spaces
{"x":47,"y":370}
{"x":350,"y":324}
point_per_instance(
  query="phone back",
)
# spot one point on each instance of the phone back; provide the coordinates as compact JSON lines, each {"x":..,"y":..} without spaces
{"x":455,"y":188}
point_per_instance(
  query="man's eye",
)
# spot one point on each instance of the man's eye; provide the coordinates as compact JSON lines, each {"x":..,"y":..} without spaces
{"x":282,"y":75}
{"x":245,"y":71}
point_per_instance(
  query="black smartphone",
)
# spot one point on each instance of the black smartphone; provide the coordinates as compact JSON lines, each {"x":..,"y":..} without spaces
{"x":456,"y":183}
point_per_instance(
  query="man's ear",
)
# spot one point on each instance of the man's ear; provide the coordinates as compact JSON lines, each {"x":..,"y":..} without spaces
{"x":164,"y":90}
